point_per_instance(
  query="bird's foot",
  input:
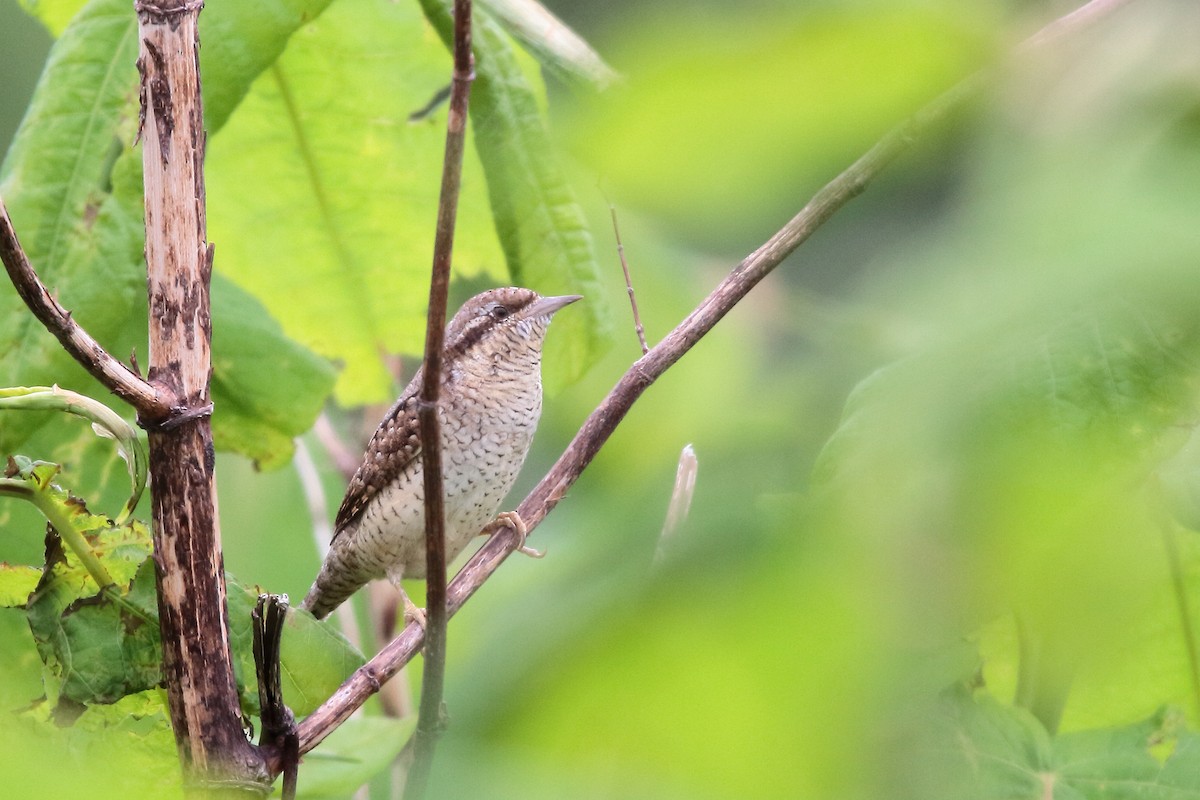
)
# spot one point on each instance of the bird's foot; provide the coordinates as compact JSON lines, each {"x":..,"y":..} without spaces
{"x":412,"y":613}
{"x":513,"y":519}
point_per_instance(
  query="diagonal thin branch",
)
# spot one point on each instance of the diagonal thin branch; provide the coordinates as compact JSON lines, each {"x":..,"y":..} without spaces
{"x":429,"y":719}
{"x":637,"y":317}
{"x":604,"y":420}
{"x":150,"y":402}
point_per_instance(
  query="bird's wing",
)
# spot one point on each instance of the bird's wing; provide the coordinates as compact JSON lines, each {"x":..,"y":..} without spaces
{"x":394,"y":447}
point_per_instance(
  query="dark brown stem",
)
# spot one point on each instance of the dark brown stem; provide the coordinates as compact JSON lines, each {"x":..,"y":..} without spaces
{"x":429,"y":719}
{"x":197,"y":667}
{"x":604,"y":420}
{"x":278,"y":724}
{"x":150,"y":402}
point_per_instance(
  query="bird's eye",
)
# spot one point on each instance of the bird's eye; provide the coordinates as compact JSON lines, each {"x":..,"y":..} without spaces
{"x":499,"y":312}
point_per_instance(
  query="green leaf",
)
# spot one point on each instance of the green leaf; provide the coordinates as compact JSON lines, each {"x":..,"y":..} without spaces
{"x":99,"y":647}
{"x":93,"y":612}
{"x":315,"y":659}
{"x":113,"y":751}
{"x":17,"y":582}
{"x":105,"y":422}
{"x":53,"y":182}
{"x":21,"y":668}
{"x":1004,"y":752}
{"x":54,"y":14}
{"x":323,"y":195}
{"x":353,"y":754}
{"x":255,"y":414}
{"x":74,"y":187}
{"x":986,"y":750}
{"x":542,"y":228}
{"x":138,"y":726}
{"x":240,"y":41}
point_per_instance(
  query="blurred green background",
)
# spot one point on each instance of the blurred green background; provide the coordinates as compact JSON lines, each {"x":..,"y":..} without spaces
{"x":945,"y":451}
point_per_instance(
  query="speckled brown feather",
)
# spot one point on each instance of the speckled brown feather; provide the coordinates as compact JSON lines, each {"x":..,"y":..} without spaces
{"x":395,"y":444}
{"x":490,"y":404}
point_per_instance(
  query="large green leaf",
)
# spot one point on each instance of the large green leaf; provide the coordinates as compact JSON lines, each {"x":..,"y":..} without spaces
{"x":240,"y":41}
{"x":315,"y":659}
{"x":53,"y":181}
{"x":323,"y":193}
{"x":73,"y":185}
{"x":99,"y":643}
{"x":988,"y":751}
{"x":266,"y":387}
{"x":54,"y":14}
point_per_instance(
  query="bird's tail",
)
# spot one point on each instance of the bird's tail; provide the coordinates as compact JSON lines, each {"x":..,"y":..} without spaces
{"x":336,"y":581}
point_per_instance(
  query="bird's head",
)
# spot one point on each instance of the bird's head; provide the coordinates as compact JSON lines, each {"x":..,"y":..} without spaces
{"x":502,"y":317}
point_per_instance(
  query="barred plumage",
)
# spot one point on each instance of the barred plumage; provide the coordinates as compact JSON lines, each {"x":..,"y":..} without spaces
{"x":491,"y":399}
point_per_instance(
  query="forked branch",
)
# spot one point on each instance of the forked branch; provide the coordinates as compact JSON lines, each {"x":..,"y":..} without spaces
{"x":150,"y":402}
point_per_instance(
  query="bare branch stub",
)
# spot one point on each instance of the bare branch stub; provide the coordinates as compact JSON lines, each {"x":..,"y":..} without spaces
{"x":197,"y":665}
{"x":608,"y":415}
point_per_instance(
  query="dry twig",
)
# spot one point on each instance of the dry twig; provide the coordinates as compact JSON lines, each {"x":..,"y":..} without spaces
{"x":150,"y":401}
{"x":637,"y":318}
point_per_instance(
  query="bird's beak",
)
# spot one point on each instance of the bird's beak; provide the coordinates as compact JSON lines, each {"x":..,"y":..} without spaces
{"x":546,"y":306}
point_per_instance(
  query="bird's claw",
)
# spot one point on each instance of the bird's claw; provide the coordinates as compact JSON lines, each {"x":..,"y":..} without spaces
{"x":413,"y":613}
{"x":514,"y":521}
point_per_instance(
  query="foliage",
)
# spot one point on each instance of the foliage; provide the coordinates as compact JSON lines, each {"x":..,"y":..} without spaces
{"x":93,"y":616}
{"x":300,"y":203}
{"x":940,"y":546}
{"x":72,"y":183}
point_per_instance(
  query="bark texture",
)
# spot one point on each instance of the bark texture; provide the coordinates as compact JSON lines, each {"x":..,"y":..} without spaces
{"x":193,"y":617}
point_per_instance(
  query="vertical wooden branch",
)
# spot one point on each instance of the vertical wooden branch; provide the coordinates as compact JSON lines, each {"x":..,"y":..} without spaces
{"x":197,"y":666}
{"x":429,"y":720}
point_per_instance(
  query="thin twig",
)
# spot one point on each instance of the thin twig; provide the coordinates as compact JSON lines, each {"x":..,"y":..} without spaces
{"x":601,"y":423}
{"x":342,"y":457}
{"x":430,"y":716}
{"x":314,"y":496}
{"x":318,"y":511}
{"x":383,"y":606}
{"x":150,"y":402}
{"x":637,"y":318}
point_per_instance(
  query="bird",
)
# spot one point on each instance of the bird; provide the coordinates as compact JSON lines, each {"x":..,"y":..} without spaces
{"x":489,"y":404}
